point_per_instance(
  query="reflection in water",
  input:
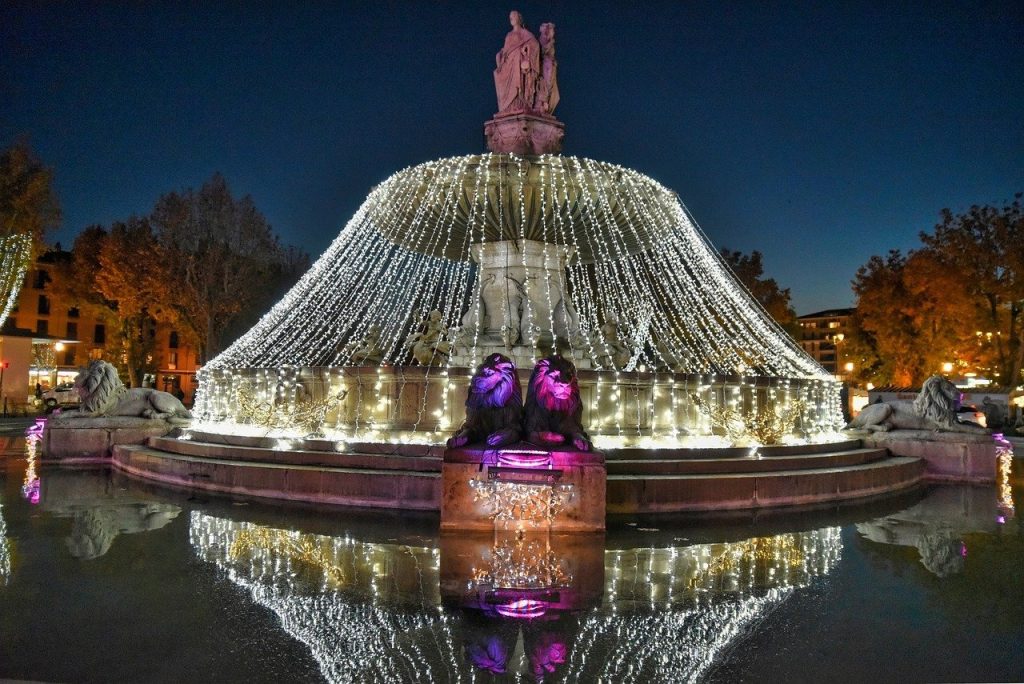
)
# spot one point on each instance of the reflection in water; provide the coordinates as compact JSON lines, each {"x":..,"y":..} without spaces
{"x":936,"y":526}
{"x":374,"y":612}
{"x":366,"y":611}
{"x":99,"y":510}
{"x":30,"y":483}
{"x":1004,"y":464}
{"x":5,"y":548}
{"x":673,"y":610}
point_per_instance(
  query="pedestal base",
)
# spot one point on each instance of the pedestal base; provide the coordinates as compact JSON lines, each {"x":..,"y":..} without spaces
{"x":524,"y":134}
{"x":527,"y":475}
{"x":95,"y":438}
{"x":950,"y":456}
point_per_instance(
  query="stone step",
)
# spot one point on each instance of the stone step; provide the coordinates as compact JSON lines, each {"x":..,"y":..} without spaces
{"x":347,"y":459}
{"x":633,"y":494}
{"x":324,"y":484}
{"x":669,"y":466}
{"x":698,"y":453}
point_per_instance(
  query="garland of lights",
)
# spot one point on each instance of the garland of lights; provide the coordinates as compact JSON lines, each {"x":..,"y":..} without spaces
{"x":633,"y":256}
{"x":15,"y":256}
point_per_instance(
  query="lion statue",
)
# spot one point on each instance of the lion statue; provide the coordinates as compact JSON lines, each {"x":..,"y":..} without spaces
{"x":553,"y":409}
{"x":494,"y":405}
{"x":933,"y":409}
{"x":103,"y":395}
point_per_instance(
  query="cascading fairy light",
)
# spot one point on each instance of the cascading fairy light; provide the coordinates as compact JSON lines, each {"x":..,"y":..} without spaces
{"x":614,"y":244}
{"x":15,"y":257}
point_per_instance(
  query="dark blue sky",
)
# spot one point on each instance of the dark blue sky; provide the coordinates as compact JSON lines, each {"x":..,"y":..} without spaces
{"x":819,"y":133}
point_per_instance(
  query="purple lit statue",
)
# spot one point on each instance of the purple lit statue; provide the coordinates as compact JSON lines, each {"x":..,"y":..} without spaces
{"x":553,"y":409}
{"x":494,"y":405}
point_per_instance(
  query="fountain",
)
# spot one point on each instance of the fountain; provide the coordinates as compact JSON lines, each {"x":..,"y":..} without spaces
{"x":347,"y":391}
{"x":526,"y":252}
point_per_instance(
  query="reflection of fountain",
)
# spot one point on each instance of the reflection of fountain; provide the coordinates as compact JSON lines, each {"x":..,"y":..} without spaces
{"x":368,"y":612}
{"x":374,"y":612}
{"x":100,"y":511}
{"x":5,"y":548}
{"x":936,"y":525}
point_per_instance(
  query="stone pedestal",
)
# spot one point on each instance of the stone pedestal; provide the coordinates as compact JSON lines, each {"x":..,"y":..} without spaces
{"x":532,"y":134}
{"x":950,"y":456}
{"x":95,"y":438}
{"x":577,"y":476}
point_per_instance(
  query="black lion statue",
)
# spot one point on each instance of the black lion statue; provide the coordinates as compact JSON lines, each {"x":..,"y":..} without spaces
{"x":553,"y":408}
{"x":494,"y":406}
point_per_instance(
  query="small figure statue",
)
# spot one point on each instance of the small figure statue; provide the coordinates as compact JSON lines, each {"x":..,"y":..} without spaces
{"x":494,"y":405}
{"x":366,"y":352}
{"x":547,"y":86}
{"x":518,"y":68}
{"x":553,"y":412}
{"x":428,"y":346}
{"x":609,"y":350}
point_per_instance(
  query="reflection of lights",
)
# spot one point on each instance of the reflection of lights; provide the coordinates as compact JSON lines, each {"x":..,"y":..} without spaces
{"x":665,"y":576}
{"x":361,"y":628}
{"x":523,"y":609}
{"x":522,"y":564}
{"x":31,"y":484}
{"x":36,"y":430}
{"x":1004,"y":463}
{"x":5,"y":549}
{"x":668,"y":613}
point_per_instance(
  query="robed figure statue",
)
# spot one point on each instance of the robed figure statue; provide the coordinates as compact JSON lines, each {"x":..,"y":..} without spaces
{"x":518,"y":70}
{"x":547,"y":86}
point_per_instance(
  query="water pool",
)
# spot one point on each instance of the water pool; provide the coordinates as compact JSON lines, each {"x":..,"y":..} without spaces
{"x":104,"y":578}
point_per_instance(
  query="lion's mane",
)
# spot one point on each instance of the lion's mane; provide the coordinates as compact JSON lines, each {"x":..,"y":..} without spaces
{"x":493,"y":410}
{"x":938,"y":402}
{"x":544,"y":413}
{"x":99,"y":387}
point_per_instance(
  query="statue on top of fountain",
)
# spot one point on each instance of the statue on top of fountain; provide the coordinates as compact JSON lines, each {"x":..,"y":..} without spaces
{"x":526,"y":83}
{"x":526,"y":75}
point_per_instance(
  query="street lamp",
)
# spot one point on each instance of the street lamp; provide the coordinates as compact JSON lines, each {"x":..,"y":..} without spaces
{"x":947,"y":367}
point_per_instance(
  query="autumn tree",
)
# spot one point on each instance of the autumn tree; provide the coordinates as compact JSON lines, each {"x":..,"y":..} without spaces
{"x":28,"y":208}
{"x":982,"y":251}
{"x":120,"y":277}
{"x":958,"y":299}
{"x":28,"y":205}
{"x":774,"y":300}
{"x":222,"y":259}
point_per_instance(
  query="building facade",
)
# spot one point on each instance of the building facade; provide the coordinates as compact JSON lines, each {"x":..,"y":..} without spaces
{"x":822,"y":335}
{"x":78,"y":338}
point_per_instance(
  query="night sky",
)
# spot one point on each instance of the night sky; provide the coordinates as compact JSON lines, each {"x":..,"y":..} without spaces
{"x":819,"y":133}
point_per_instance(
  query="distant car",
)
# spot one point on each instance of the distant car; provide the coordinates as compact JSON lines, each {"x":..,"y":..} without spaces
{"x":970,"y":414}
{"x":63,"y":394}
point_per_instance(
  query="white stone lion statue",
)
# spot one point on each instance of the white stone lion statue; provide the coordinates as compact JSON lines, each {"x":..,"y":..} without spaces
{"x":103,"y":396}
{"x":933,"y":409}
